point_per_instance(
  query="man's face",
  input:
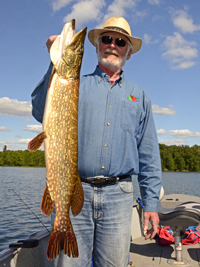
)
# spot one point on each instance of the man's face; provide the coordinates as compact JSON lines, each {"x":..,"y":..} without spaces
{"x":111,"y":55}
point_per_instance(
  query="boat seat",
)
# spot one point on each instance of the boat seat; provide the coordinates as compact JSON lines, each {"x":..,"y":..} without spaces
{"x":179,"y":219}
{"x":187,"y":214}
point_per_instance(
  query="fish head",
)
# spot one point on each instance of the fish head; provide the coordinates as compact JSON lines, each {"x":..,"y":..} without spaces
{"x":73,"y":53}
{"x":77,"y":43}
{"x":67,"y":50}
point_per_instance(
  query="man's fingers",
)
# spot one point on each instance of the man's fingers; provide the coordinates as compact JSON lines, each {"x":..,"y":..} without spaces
{"x":150,"y":234}
{"x":146,"y":224}
{"x":154,"y":219}
{"x":50,"y":41}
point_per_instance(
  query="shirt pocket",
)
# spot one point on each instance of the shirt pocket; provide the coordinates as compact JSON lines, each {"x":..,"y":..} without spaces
{"x":129,"y":120}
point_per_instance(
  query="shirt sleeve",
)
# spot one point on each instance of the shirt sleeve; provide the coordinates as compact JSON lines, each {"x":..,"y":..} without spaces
{"x":39,"y":96}
{"x":150,"y":174}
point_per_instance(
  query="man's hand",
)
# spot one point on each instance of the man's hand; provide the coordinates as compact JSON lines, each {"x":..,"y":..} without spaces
{"x":150,"y":216}
{"x":50,"y":41}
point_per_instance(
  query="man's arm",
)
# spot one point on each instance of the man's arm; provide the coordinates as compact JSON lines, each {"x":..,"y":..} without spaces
{"x":150,"y":173}
{"x":40,"y":92}
{"x":39,"y":96}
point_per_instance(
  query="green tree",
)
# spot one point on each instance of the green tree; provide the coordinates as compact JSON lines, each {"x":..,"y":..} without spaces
{"x":18,"y":158}
{"x":1,"y":158}
{"x":169,"y":162}
{"x":8,"y":158}
{"x":179,"y":162}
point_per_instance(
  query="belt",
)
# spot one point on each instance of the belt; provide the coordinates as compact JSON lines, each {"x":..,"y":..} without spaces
{"x":99,"y":180}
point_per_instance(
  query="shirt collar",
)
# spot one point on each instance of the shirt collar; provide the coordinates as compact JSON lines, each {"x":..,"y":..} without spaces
{"x":101,"y":75}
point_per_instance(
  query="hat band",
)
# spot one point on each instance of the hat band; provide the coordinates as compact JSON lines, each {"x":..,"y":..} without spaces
{"x":117,"y":29}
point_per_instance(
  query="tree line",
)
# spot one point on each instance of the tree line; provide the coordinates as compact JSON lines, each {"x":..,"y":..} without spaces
{"x":173,"y":158}
{"x":180,"y":158}
{"x":22,"y":158}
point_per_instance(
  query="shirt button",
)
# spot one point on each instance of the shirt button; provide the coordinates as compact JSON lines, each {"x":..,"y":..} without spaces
{"x":103,"y":167}
{"x":106,"y":145}
{"x":108,"y":123}
{"x":110,"y":106}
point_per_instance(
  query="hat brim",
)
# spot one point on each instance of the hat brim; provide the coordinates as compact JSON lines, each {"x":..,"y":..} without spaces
{"x":135,"y":41}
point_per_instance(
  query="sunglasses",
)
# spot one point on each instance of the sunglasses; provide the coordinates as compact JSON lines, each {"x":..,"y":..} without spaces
{"x":108,"y":40}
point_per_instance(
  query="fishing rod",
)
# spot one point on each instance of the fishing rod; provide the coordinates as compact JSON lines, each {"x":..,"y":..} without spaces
{"x":10,"y":188}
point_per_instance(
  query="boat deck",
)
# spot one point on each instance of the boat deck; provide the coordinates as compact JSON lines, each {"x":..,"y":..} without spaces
{"x":147,"y":253}
{"x":143,"y":253}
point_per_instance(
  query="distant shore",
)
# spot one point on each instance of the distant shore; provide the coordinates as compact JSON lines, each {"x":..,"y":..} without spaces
{"x":173,"y":158}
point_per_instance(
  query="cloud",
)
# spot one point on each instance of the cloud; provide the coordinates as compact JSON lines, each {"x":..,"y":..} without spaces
{"x":33,"y":128}
{"x":157,"y":17}
{"x":91,"y":10}
{"x":85,"y":11}
{"x":4,"y":129}
{"x":179,"y":133}
{"x":20,"y":141}
{"x":180,"y":52}
{"x":163,"y":111}
{"x":177,"y":142}
{"x":119,"y":8}
{"x":58,"y":4}
{"x":154,"y":2}
{"x":148,"y":39}
{"x":184,"y":22}
{"x":20,"y":144}
{"x":13,"y":107}
{"x":141,"y":14}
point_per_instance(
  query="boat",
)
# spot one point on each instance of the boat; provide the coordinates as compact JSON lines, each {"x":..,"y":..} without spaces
{"x":179,"y":211}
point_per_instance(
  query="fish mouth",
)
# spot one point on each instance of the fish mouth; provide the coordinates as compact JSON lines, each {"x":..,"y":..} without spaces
{"x":78,"y":40}
{"x":73,"y":24}
{"x":68,"y":42}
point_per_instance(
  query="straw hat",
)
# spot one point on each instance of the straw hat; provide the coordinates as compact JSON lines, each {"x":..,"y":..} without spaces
{"x":116,"y":24}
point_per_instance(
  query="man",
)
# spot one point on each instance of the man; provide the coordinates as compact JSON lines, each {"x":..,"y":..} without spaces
{"x":117,"y":138}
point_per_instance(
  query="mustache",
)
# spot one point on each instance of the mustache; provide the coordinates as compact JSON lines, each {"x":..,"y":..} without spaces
{"x":111,"y":50}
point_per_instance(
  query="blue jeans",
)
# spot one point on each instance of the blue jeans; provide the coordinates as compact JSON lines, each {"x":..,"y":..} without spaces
{"x":103,"y":227}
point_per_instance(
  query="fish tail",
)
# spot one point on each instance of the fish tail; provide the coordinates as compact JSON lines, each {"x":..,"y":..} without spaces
{"x":62,"y":241}
{"x":36,"y":142}
{"x":47,"y":203}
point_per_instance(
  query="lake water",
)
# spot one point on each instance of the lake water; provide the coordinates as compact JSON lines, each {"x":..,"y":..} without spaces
{"x":18,"y":222}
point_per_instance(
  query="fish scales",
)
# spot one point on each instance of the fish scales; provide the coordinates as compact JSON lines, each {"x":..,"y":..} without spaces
{"x":60,"y":136}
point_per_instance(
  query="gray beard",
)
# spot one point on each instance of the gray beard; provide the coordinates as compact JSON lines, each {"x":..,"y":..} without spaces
{"x":112,"y":66}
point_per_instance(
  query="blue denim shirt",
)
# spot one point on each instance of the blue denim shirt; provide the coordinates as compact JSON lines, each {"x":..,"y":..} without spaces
{"x":116,"y":135}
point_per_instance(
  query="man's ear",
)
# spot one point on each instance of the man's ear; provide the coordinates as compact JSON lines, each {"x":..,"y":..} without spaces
{"x":129,"y":54}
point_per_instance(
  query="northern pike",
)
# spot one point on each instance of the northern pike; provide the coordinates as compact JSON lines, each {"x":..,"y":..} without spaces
{"x":60,"y":137}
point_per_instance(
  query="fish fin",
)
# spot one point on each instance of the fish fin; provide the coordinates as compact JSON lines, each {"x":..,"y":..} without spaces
{"x":62,"y":241}
{"x":36,"y":142}
{"x":77,"y":198}
{"x":47,"y":203}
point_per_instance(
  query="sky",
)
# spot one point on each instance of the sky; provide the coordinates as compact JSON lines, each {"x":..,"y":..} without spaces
{"x":167,"y":67}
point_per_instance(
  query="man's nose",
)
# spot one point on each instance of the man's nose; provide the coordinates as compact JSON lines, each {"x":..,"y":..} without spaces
{"x":113,"y":43}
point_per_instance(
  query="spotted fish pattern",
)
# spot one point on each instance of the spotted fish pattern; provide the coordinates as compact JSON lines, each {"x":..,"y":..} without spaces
{"x":63,"y":188}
